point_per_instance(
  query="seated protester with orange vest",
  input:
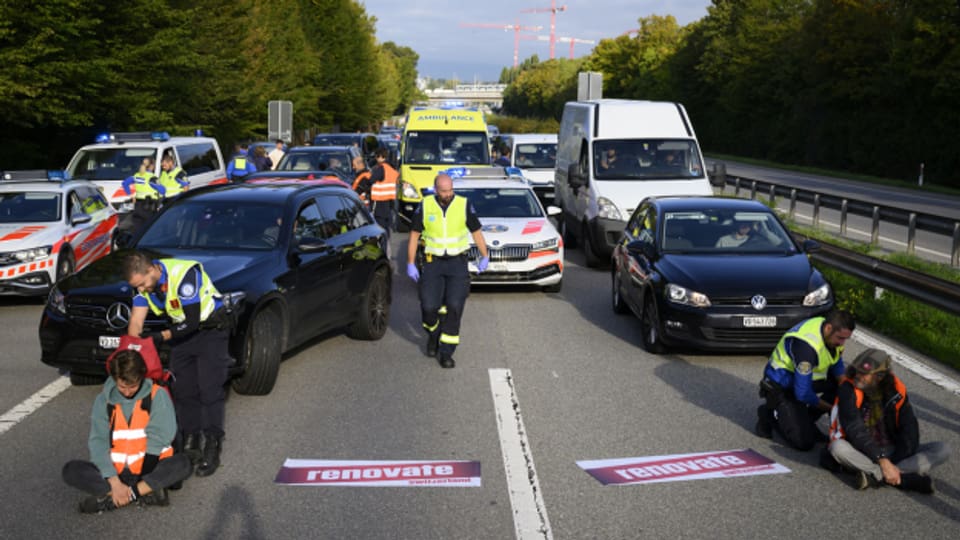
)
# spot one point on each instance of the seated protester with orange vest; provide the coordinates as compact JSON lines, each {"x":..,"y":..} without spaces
{"x":132,"y":427}
{"x":383,"y":189}
{"x":874,"y":431}
{"x":198,"y":337}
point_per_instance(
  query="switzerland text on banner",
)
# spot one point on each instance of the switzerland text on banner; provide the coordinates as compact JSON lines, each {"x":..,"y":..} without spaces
{"x":314,"y":472}
{"x":679,"y":467}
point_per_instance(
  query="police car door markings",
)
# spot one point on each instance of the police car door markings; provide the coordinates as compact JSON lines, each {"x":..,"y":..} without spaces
{"x":318,"y":472}
{"x":681,"y":467}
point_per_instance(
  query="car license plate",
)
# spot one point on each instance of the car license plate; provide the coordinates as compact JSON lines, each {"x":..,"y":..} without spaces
{"x":498,"y":267}
{"x":109,"y":342}
{"x":759,"y":322}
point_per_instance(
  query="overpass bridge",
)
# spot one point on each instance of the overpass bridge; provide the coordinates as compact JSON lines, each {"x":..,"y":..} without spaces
{"x":490,"y":95}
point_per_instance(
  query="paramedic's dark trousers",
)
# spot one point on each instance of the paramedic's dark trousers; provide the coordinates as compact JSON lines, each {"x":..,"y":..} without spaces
{"x":86,"y":477}
{"x":445,"y":282}
{"x":200,"y":363}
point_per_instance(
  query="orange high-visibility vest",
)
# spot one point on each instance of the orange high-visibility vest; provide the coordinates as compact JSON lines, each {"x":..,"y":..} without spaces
{"x":386,"y":189}
{"x":836,"y":430}
{"x":128,"y":440}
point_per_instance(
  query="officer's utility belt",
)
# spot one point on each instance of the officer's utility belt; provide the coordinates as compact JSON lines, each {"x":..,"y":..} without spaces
{"x":431,"y":257}
{"x":221,"y":319}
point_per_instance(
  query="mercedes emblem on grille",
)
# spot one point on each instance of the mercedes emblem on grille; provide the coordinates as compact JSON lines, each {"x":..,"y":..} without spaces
{"x":118,"y":315}
{"x":758,"y":302}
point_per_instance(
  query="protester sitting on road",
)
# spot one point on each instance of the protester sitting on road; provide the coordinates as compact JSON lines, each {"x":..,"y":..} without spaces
{"x":132,"y":428}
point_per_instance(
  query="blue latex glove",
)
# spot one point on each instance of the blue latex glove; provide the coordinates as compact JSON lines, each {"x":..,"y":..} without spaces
{"x":482,"y":264}
{"x":413,"y":272}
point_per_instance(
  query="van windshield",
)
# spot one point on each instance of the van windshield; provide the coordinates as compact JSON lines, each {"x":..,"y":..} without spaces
{"x":643,"y":159}
{"x":446,"y":147}
{"x":109,"y":163}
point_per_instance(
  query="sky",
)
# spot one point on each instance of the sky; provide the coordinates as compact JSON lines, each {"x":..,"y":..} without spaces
{"x":447,"y":50}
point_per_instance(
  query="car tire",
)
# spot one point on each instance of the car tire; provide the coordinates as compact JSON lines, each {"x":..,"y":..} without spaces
{"x":85,"y":379}
{"x":589,"y":254}
{"x":374,"y":317}
{"x":555,"y":288}
{"x":65,"y":263}
{"x":261,"y":354}
{"x":650,"y":327}
{"x":569,"y":240}
{"x":619,"y":306}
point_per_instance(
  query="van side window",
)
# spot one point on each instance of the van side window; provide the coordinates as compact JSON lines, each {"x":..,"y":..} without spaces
{"x":198,"y":158}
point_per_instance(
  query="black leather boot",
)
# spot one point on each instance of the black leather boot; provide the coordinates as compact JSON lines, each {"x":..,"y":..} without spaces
{"x":211,"y":455}
{"x":916,"y":482}
{"x":433,"y":342}
{"x":192,"y":447}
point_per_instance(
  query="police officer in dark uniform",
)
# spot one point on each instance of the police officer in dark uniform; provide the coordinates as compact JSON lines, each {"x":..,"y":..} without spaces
{"x":446,"y":223}
{"x":198,"y":335}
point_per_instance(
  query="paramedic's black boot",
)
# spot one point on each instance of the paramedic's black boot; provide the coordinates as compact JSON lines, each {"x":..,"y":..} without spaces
{"x":211,"y":454}
{"x":192,"y":447}
{"x":433,"y":342}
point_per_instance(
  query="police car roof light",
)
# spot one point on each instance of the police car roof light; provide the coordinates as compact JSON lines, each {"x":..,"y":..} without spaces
{"x":133,"y":136}
{"x":33,"y":175}
{"x":456,"y":172}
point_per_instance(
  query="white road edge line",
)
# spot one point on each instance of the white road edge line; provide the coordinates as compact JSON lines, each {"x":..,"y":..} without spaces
{"x":907,"y":361}
{"x":32,"y":403}
{"x":526,"y":500}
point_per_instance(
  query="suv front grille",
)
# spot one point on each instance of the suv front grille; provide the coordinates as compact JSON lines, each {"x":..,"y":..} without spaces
{"x":504,"y":254}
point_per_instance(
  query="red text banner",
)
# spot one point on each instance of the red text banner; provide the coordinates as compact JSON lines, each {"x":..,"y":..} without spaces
{"x":680,"y":467}
{"x":313,"y":472}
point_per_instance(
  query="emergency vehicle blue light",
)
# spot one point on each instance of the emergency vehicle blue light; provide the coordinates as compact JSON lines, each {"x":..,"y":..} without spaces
{"x":104,"y":138}
{"x":160,"y":136}
{"x":513,"y":171}
{"x":58,"y":176}
{"x":198,"y":133}
{"x":455,"y":172}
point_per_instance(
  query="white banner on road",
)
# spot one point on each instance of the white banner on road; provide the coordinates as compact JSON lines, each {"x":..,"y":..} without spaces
{"x":317,"y":472}
{"x":680,"y":467}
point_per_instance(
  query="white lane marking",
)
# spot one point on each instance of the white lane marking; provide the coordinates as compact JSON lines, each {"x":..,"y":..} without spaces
{"x":32,"y":403}
{"x":907,"y":361}
{"x":526,"y":500}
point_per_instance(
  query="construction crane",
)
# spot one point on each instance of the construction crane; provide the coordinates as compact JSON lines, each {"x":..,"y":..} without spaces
{"x":571,"y":41}
{"x":553,"y":9}
{"x":517,"y":36}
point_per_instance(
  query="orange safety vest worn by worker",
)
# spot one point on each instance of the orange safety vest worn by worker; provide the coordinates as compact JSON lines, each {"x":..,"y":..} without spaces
{"x":386,"y":189}
{"x":356,"y":185}
{"x":128,"y":440}
{"x":836,"y":430}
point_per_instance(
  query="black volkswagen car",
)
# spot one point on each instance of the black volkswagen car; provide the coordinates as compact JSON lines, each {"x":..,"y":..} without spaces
{"x":294,"y":260}
{"x":714,"y":273}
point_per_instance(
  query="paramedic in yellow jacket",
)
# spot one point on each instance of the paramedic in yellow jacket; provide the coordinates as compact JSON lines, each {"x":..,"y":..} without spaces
{"x":446,"y":223}
{"x":198,"y":334}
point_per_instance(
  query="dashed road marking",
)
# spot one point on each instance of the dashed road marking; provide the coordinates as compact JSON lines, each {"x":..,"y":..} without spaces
{"x":526,"y":500}
{"x":15,"y":415}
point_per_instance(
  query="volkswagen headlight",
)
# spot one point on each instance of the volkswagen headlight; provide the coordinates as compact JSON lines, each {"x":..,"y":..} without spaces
{"x":684,"y":296}
{"x":409,"y":191}
{"x":56,"y":301}
{"x":32,"y":254}
{"x":232,"y":300}
{"x":818,"y":297}
{"x":552,"y":244}
{"x":607,"y":210}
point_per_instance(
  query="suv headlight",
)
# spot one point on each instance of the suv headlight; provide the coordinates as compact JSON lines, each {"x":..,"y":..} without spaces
{"x":552,"y":244}
{"x":409,"y":191}
{"x":232,"y":300}
{"x":607,"y":210}
{"x":56,"y":301}
{"x":818,"y":297}
{"x":684,"y":296}
{"x":30,"y":255}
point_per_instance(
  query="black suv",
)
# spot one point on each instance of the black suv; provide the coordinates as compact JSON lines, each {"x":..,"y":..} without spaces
{"x":294,"y":259}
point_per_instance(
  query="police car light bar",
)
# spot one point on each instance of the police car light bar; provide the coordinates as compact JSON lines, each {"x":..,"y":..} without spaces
{"x":133,"y":136}
{"x":33,"y":175}
{"x":485,"y":173}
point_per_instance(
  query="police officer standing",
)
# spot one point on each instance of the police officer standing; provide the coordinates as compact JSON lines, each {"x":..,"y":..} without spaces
{"x":800,"y":381}
{"x":240,"y":164}
{"x":198,"y":335}
{"x":172,"y":178}
{"x":147,"y":193}
{"x":446,"y":223}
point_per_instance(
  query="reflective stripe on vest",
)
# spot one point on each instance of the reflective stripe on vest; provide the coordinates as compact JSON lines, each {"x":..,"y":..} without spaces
{"x":176,"y":270}
{"x":128,"y":440}
{"x":386,"y":189}
{"x":168,"y":179}
{"x":445,"y":234}
{"x":142,"y":188}
{"x":836,"y":430}
{"x":809,"y":332}
{"x":240,"y":164}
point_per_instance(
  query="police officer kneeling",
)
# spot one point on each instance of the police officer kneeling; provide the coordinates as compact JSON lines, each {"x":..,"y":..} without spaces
{"x":198,"y":336}
{"x":800,"y":380}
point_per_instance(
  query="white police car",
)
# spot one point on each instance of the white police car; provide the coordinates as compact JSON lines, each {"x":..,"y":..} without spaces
{"x":524,"y":246}
{"x":49,"y":227}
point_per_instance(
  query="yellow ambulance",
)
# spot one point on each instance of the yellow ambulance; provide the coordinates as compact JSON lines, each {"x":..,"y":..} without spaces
{"x":436,"y":139}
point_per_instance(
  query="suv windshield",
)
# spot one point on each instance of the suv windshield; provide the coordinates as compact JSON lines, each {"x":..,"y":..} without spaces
{"x":641,"y":159}
{"x":502,"y":202}
{"x":536,"y":156}
{"x":109,"y":163}
{"x":316,"y":161}
{"x":29,"y":207}
{"x":446,"y":147}
{"x":197,"y":224}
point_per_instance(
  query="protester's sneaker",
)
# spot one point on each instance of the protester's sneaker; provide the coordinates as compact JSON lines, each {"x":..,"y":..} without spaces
{"x":95,"y":505}
{"x":863,"y":480}
{"x":155,"y":498}
{"x":916,"y":482}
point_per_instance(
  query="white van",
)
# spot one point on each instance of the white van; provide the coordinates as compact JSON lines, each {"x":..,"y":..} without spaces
{"x":115,"y":156}
{"x":614,"y":153}
{"x":536,"y":155}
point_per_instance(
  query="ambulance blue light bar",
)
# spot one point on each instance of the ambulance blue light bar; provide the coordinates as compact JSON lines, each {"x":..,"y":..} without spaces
{"x":133,"y":136}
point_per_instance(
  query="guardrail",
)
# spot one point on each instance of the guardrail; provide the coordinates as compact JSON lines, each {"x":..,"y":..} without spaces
{"x":912,"y":220}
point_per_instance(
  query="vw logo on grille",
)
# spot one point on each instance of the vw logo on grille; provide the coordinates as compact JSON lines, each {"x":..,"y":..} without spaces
{"x":758,"y":302}
{"x":118,"y":315}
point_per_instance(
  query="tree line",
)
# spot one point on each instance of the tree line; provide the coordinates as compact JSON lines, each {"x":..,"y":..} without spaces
{"x":72,"y":68}
{"x":869,"y":86}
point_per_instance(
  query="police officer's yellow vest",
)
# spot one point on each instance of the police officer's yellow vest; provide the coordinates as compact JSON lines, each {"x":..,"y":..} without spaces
{"x":176,"y":270}
{"x":168,"y":179}
{"x":445,"y":233}
{"x":240,"y":164}
{"x":142,"y":188}
{"x":809,"y":332}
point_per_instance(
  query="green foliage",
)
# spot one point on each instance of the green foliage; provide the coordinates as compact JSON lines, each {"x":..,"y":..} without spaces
{"x":541,"y":89}
{"x":513,"y":124}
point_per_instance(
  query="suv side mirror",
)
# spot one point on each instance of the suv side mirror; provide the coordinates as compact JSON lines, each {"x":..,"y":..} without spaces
{"x":77,"y":219}
{"x":309,"y":244}
{"x":810,"y":246}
